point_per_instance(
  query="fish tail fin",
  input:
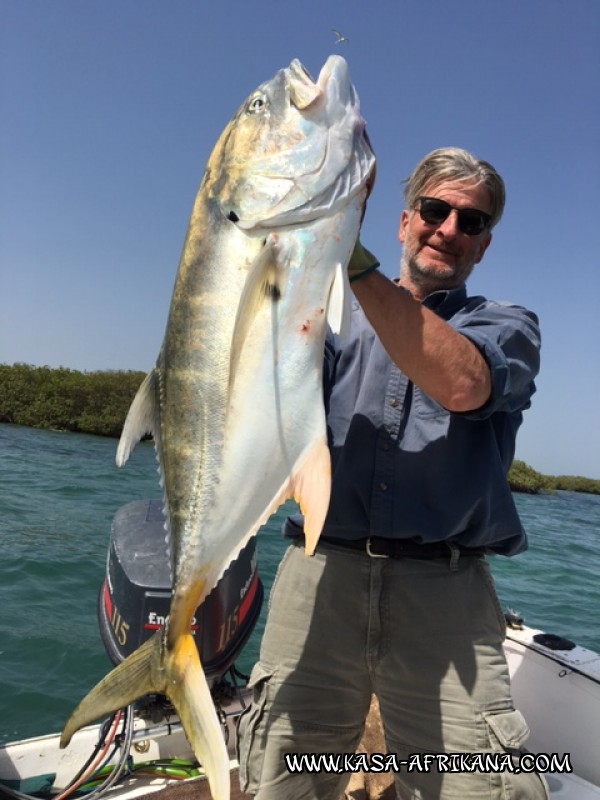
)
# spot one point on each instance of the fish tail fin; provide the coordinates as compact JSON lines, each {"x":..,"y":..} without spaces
{"x":177,"y":673}
{"x":124,"y":684}
{"x":189,"y":693}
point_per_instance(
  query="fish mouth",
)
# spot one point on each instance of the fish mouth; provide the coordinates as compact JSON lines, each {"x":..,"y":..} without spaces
{"x":320,"y":157}
{"x":334,"y":79}
{"x":333,"y":84}
{"x":303,"y":90}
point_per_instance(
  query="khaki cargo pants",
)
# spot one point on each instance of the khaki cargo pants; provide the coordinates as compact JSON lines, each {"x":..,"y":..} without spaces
{"x":425,"y":636}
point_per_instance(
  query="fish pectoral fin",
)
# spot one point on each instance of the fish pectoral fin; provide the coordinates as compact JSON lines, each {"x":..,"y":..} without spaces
{"x":339,"y":308}
{"x":189,"y":693}
{"x":132,"y":679}
{"x":142,"y":417}
{"x":311,"y":490}
{"x":264,"y":284}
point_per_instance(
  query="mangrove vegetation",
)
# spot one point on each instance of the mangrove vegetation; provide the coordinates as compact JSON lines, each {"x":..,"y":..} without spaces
{"x":65,"y":399}
{"x":97,"y":403}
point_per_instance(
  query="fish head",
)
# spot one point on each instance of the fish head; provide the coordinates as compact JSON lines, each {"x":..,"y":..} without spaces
{"x":296,"y":150}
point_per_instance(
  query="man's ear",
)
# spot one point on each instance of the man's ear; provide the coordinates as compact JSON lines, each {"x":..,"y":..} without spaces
{"x":403,"y":226}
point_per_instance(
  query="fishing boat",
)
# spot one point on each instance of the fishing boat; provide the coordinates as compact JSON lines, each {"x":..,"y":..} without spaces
{"x":142,"y":749}
{"x":556,"y":685}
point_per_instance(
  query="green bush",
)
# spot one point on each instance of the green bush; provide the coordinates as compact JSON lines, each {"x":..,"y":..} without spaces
{"x":523,"y":478}
{"x":98,"y":402}
{"x":575,"y":483}
{"x":86,"y":402}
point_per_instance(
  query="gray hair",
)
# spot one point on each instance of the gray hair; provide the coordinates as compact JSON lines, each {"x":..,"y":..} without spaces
{"x":454,"y":164}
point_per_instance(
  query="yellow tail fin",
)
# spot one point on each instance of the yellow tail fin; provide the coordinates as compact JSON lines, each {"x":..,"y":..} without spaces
{"x":178,"y":674}
{"x":127,"y":682}
{"x":189,"y":693}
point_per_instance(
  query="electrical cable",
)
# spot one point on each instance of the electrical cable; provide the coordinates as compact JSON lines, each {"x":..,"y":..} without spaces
{"x":100,"y":757}
{"x":100,"y":749}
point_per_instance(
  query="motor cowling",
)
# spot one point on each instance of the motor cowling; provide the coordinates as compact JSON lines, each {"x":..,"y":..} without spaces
{"x":134,"y":599}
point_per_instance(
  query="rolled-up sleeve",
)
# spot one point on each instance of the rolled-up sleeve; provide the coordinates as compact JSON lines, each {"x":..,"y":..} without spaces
{"x":403,"y":466}
{"x":508,"y":337}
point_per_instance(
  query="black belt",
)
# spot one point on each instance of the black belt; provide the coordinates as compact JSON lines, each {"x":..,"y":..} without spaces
{"x":380,"y":547}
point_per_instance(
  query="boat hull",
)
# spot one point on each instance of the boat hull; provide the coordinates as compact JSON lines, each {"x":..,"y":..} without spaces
{"x":558,"y":692}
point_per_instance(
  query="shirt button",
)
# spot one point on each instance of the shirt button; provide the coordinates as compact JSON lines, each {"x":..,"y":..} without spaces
{"x":393,"y":403}
{"x":383,"y":486}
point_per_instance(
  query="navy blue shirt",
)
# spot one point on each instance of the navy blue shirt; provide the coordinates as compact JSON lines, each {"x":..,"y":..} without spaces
{"x":405,"y":467}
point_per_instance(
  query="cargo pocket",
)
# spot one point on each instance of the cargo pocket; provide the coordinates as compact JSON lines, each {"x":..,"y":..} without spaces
{"x":251,"y":730}
{"x":509,"y":728}
{"x":508,"y":731}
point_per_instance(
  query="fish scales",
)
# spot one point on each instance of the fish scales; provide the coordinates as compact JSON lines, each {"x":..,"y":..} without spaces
{"x":235,"y":399}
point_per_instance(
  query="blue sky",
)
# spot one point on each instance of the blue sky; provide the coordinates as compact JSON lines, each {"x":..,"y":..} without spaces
{"x":109,"y":110}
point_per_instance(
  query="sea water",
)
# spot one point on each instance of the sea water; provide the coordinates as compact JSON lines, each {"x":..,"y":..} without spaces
{"x":58,"y":494}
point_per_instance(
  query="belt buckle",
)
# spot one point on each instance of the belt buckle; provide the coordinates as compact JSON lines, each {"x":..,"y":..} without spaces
{"x":371,"y":553}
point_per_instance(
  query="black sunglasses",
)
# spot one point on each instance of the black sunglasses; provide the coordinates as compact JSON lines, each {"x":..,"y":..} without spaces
{"x":471,"y":221}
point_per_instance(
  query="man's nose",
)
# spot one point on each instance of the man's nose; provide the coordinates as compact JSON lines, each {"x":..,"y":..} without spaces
{"x":449,"y":226}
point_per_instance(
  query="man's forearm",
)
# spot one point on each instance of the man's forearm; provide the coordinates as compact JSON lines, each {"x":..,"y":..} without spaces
{"x":440,"y":361}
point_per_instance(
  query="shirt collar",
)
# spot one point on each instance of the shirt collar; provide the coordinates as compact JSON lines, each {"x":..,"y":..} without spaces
{"x":445,"y":302}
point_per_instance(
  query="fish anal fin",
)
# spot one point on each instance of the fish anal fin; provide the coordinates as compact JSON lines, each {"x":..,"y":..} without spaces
{"x":263,"y":284}
{"x":311,"y":490}
{"x":142,"y":417}
{"x":310,"y":486}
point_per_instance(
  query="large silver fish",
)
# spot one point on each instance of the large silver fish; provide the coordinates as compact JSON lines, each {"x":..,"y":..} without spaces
{"x":235,"y":399}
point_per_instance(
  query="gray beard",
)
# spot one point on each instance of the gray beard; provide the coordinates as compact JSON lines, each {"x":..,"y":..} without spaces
{"x":427,"y":281}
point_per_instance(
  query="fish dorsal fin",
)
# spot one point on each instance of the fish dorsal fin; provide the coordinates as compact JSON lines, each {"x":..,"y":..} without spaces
{"x":264,"y":284}
{"x":339,"y":309}
{"x":142,"y":417}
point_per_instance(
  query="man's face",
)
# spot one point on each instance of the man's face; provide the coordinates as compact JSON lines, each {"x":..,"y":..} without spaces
{"x":440,"y":256}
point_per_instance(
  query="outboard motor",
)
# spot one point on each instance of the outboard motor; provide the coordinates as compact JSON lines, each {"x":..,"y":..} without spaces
{"x":135,"y":597}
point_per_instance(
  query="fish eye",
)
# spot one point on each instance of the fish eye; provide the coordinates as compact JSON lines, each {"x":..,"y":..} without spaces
{"x":257,"y":104}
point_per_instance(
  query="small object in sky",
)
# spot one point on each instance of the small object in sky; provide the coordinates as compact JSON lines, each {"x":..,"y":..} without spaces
{"x":340,"y":38}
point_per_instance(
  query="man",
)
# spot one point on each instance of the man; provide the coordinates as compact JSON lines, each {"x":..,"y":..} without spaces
{"x":423,"y":406}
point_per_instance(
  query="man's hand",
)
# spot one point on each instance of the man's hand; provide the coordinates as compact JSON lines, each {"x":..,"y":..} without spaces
{"x":361,"y":263}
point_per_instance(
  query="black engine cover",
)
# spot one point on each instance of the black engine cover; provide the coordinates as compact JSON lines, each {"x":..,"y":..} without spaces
{"x":135,"y":597}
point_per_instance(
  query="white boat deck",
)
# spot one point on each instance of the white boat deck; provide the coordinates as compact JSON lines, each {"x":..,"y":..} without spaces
{"x":558,"y":691}
{"x":567,"y":721}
